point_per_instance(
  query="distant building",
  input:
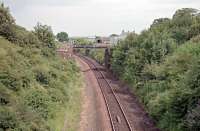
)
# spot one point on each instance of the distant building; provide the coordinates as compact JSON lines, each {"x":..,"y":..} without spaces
{"x":123,"y":35}
{"x":103,"y":40}
{"x":114,"y":39}
{"x":91,"y":39}
{"x":98,"y":39}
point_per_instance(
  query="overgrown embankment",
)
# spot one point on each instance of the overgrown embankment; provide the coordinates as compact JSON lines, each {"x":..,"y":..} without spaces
{"x":38,"y":90}
{"x":162,"y":65}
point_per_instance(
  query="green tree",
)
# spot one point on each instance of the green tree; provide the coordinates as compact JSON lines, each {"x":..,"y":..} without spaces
{"x":62,"y":36}
{"x":6,"y":22}
{"x":162,"y":66}
{"x":5,"y":16}
{"x":185,"y":24}
{"x":45,"y":34}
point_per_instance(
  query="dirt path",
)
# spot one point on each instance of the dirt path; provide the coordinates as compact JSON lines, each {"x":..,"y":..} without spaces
{"x":94,"y":115}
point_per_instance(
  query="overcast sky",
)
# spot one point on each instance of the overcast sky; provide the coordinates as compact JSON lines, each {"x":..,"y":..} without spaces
{"x":94,"y":17}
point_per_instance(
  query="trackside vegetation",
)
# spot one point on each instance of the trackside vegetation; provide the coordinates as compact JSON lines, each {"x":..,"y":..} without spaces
{"x":38,"y":90}
{"x":98,"y":55}
{"x":162,"y":65}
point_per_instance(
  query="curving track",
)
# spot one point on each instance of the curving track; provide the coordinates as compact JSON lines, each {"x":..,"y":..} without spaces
{"x":118,"y":118}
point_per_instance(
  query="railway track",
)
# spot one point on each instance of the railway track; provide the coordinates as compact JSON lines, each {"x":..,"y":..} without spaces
{"x":118,"y":118}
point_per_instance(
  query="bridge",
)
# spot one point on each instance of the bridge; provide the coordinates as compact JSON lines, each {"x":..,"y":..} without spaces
{"x":107,"y":53}
{"x":93,"y":46}
{"x":67,"y":50}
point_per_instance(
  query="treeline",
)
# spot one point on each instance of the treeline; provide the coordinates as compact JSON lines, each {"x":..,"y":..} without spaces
{"x":37,"y":88}
{"x":162,"y":64}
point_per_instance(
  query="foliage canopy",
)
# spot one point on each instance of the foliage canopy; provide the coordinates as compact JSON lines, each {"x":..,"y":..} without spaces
{"x":162,"y":64}
{"x":62,"y":36}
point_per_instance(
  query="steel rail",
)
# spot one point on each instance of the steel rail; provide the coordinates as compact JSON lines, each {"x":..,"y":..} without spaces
{"x":115,"y":96}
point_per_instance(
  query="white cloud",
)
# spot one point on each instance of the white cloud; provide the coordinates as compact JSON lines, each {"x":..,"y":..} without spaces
{"x":90,"y":17}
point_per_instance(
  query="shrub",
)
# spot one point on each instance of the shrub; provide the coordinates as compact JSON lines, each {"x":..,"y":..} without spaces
{"x":39,"y":101}
{"x":98,"y":55}
{"x":42,"y":78}
{"x":58,"y":96}
{"x":9,"y":81}
{"x":192,"y":121}
{"x":4,"y":96}
{"x":8,"y":120}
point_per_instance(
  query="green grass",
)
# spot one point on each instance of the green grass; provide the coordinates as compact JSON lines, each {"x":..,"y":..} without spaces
{"x":37,"y":92}
{"x":69,"y":115}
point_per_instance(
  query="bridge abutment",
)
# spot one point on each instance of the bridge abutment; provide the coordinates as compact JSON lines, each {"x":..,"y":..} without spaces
{"x":107,"y":56}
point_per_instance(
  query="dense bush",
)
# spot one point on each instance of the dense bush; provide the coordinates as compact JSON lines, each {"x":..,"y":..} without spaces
{"x":97,"y":54}
{"x":162,"y":64}
{"x":192,"y":119}
{"x":39,"y":101}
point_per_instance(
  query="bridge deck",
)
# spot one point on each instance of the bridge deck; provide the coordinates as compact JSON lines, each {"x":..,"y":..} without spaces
{"x":93,"y":46}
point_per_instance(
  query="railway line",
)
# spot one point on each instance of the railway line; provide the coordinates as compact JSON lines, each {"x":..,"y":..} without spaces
{"x":118,"y":118}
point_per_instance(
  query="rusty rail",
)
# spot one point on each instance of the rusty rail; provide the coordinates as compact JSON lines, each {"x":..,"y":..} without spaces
{"x":118,"y":118}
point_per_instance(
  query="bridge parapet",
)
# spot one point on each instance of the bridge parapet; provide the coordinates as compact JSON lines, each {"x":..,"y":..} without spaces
{"x":93,"y":46}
